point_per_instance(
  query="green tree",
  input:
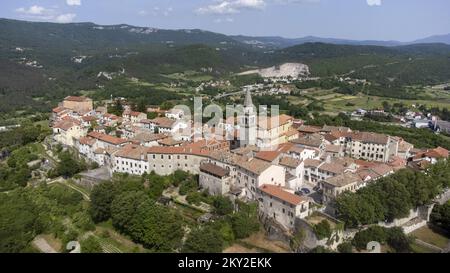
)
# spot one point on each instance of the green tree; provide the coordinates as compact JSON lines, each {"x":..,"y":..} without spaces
{"x":157,"y":227}
{"x":152,"y":115}
{"x":245,"y":222}
{"x":323,"y":230}
{"x":68,"y":165}
{"x":102,"y":197}
{"x":203,"y":240}
{"x":374,"y":233}
{"x":91,"y":245}
{"x":194,"y":197}
{"x":123,"y":208}
{"x":345,"y":247}
{"x":223,"y":205}
{"x":440,"y":216}
{"x":19,"y":222}
{"x":298,"y":239}
{"x":398,"y":240}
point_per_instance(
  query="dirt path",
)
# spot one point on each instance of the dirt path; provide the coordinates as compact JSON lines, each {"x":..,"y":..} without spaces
{"x":43,"y":246}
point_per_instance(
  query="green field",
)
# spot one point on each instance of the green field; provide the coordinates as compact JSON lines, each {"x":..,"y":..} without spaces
{"x":429,"y":236}
{"x":335,"y":102}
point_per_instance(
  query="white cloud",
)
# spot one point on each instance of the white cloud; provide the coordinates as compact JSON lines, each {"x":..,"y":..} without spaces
{"x":374,"y":2}
{"x":73,"y":2}
{"x":44,"y":14}
{"x":143,"y":12}
{"x":224,"y":20}
{"x":34,"y":10}
{"x":231,"y":6}
{"x":224,"y":7}
{"x":65,"y":18}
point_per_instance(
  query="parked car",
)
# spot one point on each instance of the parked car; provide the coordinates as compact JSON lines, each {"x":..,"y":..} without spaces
{"x":299,"y":193}
{"x":306,"y":191}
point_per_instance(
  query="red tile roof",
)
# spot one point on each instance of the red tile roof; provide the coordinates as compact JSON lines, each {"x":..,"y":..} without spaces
{"x":283,"y":195}
{"x":107,"y":138}
{"x":89,"y":118}
{"x":214,"y":170}
{"x":76,"y":99}
{"x":65,"y":124}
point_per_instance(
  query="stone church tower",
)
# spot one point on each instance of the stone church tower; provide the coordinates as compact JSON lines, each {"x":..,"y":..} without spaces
{"x":248,"y":121}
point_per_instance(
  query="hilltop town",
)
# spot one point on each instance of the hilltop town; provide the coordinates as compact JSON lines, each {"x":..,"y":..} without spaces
{"x":291,"y":170}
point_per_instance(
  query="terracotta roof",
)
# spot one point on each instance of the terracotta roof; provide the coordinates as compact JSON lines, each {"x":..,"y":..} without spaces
{"x":368,"y":137}
{"x":433,"y":153}
{"x":397,"y":162}
{"x":131,"y":151}
{"x":135,"y":114}
{"x":170,"y":141}
{"x":246,"y":150}
{"x":366,"y":173}
{"x":88,"y":118}
{"x":290,"y":162}
{"x":332,"y":168}
{"x":313,"y":140}
{"x":327,"y":128}
{"x":312,"y":163}
{"x":333,"y":148}
{"x":148,"y":137}
{"x":268,"y":156}
{"x":343,"y":179}
{"x":110,"y":116}
{"x":77,"y":99}
{"x":296,"y":149}
{"x":382,"y":169}
{"x":87,"y":141}
{"x":214,"y":170}
{"x":309,"y":129}
{"x":163,"y":122}
{"x":65,"y":124}
{"x":283,"y":195}
{"x":107,"y":138}
{"x":74,"y":120}
{"x":254,"y":165}
{"x":365,"y":164}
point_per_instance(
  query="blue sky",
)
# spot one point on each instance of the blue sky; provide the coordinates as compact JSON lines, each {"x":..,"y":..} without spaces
{"x":403,"y":20}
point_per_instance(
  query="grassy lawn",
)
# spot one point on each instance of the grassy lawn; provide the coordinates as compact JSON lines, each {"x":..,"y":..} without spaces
{"x":416,"y":248}
{"x":109,"y":237}
{"x":189,"y":75}
{"x":335,"y":102}
{"x":316,"y":218}
{"x":260,"y":243}
{"x":429,"y":236}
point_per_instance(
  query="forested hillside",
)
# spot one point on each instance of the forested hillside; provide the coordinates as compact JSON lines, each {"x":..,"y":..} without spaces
{"x":43,"y":62}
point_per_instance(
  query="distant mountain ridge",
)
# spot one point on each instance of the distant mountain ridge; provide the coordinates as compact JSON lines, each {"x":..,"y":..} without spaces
{"x":280,"y":42}
{"x":42,"y":62}
{"x":138,"y":34}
